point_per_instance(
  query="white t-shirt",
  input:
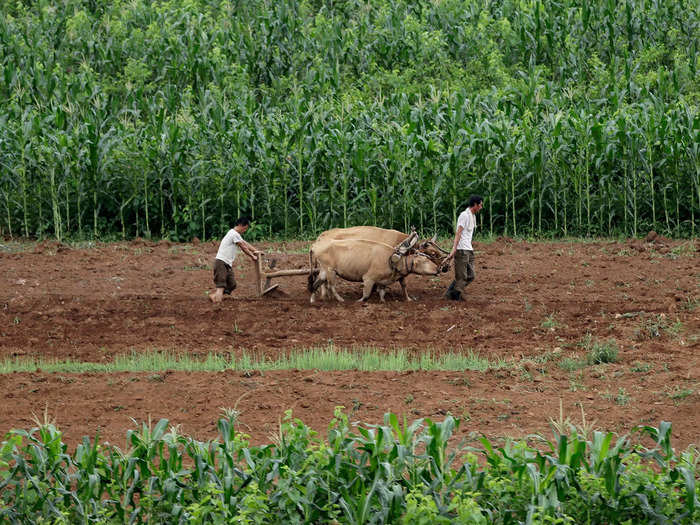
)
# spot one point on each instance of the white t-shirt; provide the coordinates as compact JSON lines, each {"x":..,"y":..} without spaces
{"x":467,"y":221}
{"x":228,"y":249}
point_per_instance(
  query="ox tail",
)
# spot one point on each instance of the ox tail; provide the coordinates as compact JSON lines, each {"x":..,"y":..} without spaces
{"x":313,"y":272}
{"x":313,"y":275}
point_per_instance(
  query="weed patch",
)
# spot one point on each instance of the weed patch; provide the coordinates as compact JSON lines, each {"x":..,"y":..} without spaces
{"x":569,"y":364}
{"x":599,"y":351}
{"x":639,"y":366}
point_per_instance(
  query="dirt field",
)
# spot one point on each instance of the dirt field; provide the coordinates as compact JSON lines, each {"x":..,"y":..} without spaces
{"x":531,"y":305}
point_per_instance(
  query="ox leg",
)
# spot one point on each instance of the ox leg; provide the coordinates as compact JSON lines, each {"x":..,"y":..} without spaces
{"x":320,"y":282}
{"x":331,"y":286}
{"x":366,"y":289}
{"x":407,"y":297}
{"x":382,"y":291}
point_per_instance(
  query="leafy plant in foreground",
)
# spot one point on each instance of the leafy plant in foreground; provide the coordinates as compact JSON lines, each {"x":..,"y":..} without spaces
{"x":395,"y":472}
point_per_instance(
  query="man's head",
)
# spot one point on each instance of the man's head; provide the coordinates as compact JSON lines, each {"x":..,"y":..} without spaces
{"x":476,"y":202}
{"x":242,"y":224}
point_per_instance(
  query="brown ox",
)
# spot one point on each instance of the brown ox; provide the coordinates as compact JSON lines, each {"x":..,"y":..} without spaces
{"x":428,"y":247}
{"x":391,"y":237}
{"x":361,"y":260}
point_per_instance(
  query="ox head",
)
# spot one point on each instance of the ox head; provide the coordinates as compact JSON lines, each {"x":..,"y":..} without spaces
{"x":436,"y":254}
{"x":402,"y":251}
{"x":423,"y":265}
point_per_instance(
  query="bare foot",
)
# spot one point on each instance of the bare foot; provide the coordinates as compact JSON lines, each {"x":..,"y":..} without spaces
{"x":214,"y":298}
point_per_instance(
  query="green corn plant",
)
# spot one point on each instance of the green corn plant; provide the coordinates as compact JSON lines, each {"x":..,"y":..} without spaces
{"x":648,"y":160}
{"x":352,"y":477}
{"x":53,"y":165}
{"x":693,"y":151}
{"x":23,"y":140}
{"x":410,"y":137}
{"x":92,"y":473}
{"x":8,"y":189}
{"x":554,"y":175}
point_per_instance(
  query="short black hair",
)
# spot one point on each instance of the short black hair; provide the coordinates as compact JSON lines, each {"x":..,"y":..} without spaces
{"x":474,"y":199}
{"x":242,"y":221}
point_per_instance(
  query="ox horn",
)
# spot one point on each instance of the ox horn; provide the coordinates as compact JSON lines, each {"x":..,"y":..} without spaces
{"x":424,"y":244}
{"x":433,"y":242}
{"x":438,"y":247}
{"x":406,"y":245}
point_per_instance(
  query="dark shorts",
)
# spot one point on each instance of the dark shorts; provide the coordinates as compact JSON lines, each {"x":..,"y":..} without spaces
{"x":223,"y":276}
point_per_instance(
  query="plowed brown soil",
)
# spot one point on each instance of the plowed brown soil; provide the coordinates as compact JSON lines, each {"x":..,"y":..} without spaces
{"x":532,"y":304}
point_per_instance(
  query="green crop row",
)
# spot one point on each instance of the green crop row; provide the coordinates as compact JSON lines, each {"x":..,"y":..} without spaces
{"x":170,"y":119}
{"x":394,"y":472}
{"x":319,"y":358}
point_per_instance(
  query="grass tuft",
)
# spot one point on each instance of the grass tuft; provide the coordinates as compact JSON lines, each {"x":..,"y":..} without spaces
{"x":599,"y":351}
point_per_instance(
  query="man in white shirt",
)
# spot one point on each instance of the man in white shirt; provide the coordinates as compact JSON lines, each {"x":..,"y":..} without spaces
{"x":223,"y":264}
{"x":462,"y":250}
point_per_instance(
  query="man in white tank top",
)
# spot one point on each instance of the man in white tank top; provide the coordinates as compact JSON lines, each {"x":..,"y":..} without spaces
{"x":462,"y":250}
{"x":224,"y":279}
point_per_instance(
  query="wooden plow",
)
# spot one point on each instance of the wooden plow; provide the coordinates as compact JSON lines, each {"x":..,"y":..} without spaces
{"x":263,"y":279}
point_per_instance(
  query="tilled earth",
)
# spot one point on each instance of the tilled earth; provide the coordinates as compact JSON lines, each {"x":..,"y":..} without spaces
{"x":533,"y":306}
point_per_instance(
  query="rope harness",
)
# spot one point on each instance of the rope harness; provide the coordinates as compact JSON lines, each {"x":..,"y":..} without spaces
{"x":396,"y":258}
{"x":395,"y":262}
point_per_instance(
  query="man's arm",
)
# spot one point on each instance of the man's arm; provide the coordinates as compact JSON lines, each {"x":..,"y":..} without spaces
{"x":458,"y":235}
{"x":248,"y":250}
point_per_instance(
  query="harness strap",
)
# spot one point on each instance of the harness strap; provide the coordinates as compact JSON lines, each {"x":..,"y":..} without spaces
{"x":413,"y":262}
{"x":396,"y":267}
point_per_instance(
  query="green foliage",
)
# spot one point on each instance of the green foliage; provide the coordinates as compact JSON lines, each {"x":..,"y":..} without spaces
{"x":330,"y":357}
{"x":395,"y":472}
{"x":170,"y":119}
{"x":599,"y":351}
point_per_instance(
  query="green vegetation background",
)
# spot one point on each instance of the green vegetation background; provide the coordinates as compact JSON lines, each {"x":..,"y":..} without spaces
{"x":147,"y":118}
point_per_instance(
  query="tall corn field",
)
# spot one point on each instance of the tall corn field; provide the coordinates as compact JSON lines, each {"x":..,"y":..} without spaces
{"x":170,"y":119}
